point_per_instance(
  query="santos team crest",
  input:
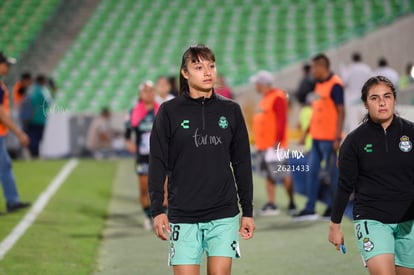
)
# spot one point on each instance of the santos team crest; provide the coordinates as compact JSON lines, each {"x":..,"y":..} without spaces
{"x":405,"y":144}
{"x":223,"y":123}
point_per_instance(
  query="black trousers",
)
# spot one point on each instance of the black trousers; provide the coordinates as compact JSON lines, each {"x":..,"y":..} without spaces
{"x":35,"y":133}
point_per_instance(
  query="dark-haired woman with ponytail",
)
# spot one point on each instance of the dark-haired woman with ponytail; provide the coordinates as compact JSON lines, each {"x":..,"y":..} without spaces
{"x":200,"y":141}
{"x":376,"y":161}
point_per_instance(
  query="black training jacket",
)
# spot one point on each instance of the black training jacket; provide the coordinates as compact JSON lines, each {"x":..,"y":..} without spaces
{"x":379,"y":165}
{"x":202,"y":146}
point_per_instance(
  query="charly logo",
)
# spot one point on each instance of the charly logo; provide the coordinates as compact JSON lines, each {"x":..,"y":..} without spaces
{"x":405,"y":144}
{"x":185,"y":124}
{"x":368,"y":148}
{"x":223,"y":123}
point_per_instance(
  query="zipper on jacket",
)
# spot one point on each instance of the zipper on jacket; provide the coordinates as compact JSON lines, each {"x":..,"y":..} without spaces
{"x":202,"y":113}
{"x":386,"y":140}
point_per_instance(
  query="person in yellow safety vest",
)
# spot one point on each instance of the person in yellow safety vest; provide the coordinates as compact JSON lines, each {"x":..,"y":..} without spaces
{"x":270,"y":134}
{"x":325,"y":128}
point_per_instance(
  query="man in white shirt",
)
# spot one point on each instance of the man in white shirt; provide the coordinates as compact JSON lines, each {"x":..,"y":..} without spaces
{"x":385,"y":70}
{"x":354,"y":77}
{"x":100,"y":135}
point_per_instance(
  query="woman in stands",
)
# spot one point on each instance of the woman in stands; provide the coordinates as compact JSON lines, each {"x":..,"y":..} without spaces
{"x":199,"y":140}
{"x":377,"y":162}
{"x":140,"y":122}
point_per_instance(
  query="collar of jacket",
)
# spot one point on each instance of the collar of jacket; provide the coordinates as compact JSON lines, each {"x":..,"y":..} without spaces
{"x":200,"y":100}
{"x":394,"y":122}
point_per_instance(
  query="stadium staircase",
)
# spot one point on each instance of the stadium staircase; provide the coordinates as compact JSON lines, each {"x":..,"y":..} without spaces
{"x":59,"y":23}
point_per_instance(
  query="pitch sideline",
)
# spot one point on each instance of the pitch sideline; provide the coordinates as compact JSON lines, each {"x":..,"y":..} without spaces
{"x":37,"y":208}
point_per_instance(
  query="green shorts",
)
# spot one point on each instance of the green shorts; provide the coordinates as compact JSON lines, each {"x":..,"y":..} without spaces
{"x":375,"y":238}
{"x":188,"y":241}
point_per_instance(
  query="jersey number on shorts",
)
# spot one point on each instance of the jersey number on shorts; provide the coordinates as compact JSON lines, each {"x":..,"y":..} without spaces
{"x":359,"y":231}
{"x":175,"y":233}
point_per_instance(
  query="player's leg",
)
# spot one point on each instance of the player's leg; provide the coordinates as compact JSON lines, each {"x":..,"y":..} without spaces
{"x":185,"y":248}
{"x":376,"y":243}
{"x":404,"y":270}
{"x":143,"y":191}
{"x":186,"y":269}
{"x":219,"y":265}
{"x":221,"y":243}
{"x":404,"y":248}
{"x":269,"y":208}
{"x":142,"y":172}
{"x":381,"y":265}
{"x":142,"y":176}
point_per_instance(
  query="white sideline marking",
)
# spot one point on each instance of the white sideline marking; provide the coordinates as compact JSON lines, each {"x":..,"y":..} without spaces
{"x":37,"y":208}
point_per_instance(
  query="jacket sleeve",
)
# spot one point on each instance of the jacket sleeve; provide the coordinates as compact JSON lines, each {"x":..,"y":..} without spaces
{"x":158,"y":161}
{"x":348,"y":176}
{"x":241,"y":163}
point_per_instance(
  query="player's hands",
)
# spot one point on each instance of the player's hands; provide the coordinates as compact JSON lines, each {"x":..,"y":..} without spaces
{"x":335,"y":236}
{"x":131,"y":147}
{"x":161,"y":226}
{"x":247,"y":228}
{"x":23,"y":139}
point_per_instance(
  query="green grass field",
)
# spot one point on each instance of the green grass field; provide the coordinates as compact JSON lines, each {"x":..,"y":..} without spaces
{"x":66,"y":235}
{"x":69,"y":236}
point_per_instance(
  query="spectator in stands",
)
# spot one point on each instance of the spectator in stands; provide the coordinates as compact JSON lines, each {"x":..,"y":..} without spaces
{"x":7,"y":179}
{"x":407,"y":79}
{"x":20,"y":88}
{"x":100,"y":135}
{"x":140,"y":123}
{"x":326,"y":131}
{"x":306,"y":84}
{"x":270,"y":134}
{"x":174,"y":89}
{"x":354,"y":77}
{"x":39,"y":100}
{"x":385,"y":70}
{"x":221,"y":87}
{"x":163,"y":88}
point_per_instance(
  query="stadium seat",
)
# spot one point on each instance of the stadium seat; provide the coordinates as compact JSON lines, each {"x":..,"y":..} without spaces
{"x":20,"y":21}
{"x":127,"y":42}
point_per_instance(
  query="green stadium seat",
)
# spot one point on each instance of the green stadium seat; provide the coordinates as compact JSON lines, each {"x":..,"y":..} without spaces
{"x":126,"y":42}
{"x":23,"y":19}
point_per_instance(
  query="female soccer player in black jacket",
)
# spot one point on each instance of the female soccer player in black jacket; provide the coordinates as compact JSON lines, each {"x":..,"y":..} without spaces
{"x":199,"y":140}
{"x":376,"y":161}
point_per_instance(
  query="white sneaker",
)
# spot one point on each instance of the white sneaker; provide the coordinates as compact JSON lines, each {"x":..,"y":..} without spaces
{"x":269,"y":209}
